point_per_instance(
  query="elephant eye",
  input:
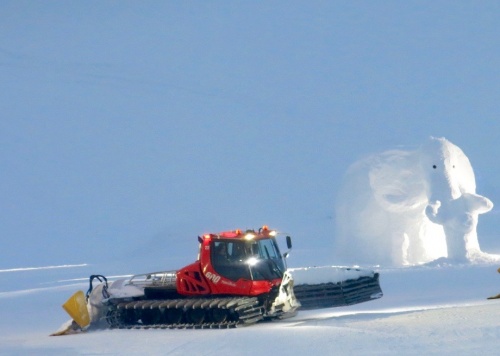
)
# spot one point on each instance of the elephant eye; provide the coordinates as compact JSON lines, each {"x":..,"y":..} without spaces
{"x":434,"y":166}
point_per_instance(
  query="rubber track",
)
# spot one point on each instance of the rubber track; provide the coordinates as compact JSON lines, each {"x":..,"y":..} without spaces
{"x":244,"y":311}
{"x":326,"y":295}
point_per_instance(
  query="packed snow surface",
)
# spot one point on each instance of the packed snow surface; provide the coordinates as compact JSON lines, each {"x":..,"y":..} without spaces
{"x":435,"y":309}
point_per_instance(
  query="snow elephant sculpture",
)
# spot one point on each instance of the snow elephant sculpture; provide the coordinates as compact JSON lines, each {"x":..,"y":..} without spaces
{"x":409,"y":207}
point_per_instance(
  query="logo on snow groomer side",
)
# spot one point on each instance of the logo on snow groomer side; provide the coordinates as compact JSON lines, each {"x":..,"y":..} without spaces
{"x":213,"y":277}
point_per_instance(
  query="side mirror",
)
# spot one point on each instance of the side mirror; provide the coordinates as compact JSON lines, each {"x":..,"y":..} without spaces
{"x":285,"y":255}
{"x":289,"y":242}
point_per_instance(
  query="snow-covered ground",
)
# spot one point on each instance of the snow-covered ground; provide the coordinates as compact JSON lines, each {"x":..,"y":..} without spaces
{"x":425,"y":310}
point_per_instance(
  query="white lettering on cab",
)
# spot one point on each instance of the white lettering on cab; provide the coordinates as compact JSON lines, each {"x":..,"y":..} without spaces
{"x":213,"y":277}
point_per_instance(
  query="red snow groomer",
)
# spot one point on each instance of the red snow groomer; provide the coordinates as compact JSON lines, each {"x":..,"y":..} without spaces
{"x":239,"y":278}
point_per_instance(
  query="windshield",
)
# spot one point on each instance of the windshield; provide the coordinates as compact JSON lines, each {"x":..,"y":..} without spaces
{"x":254,"y":260}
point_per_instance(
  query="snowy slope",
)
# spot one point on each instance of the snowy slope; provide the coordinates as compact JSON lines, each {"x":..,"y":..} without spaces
{"x":129,"y":125}
{"x":425,"y":310}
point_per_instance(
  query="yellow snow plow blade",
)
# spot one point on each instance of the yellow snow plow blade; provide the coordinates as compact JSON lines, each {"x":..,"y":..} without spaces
{"x":76,"y":307}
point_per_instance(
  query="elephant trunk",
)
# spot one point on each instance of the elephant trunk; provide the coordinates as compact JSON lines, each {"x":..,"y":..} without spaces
{"x":459,"y":219}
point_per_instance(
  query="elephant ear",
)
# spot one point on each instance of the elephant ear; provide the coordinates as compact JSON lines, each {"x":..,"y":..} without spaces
{"x":397,"y":182}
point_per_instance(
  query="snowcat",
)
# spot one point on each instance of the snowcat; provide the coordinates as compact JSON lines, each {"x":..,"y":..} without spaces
{"x":239,"y":278}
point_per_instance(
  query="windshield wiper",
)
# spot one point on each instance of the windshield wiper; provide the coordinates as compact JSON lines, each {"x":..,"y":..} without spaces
{"x":275,"y":268}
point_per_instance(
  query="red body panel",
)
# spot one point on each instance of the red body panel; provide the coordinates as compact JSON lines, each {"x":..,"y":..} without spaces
{"x":200,"y":278}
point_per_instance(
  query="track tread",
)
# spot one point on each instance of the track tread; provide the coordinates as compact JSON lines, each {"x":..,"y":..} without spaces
{"x":244,"y":311}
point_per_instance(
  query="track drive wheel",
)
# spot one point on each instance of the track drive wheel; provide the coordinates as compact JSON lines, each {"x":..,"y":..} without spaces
{"x":218,"y":315}
{"x":195,"y":316}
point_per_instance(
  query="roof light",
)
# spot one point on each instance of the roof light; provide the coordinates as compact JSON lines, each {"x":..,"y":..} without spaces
{"x":249,"y":236}
{"x":273,"y":233}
